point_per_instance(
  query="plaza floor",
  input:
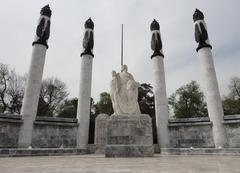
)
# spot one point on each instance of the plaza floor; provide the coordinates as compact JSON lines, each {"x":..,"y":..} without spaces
{"x":100,"y":164}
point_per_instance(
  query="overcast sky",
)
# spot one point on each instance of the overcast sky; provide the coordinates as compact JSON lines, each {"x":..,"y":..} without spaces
{"x":19,"y":18}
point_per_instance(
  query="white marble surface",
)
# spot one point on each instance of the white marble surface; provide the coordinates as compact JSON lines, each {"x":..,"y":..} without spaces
{"x":83,"y":110}
{"x":212,"y":95}
{"x":31,"y":94}
{"x":100,"y":164}
{"x":124,"y":93}
{"x":161,"y":102}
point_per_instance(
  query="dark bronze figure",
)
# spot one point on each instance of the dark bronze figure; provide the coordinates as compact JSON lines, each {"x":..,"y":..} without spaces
{"x":88,"y":41}
{"x":156,"y":42}
{"x":201,"y":35}
{"x":43,"y":28}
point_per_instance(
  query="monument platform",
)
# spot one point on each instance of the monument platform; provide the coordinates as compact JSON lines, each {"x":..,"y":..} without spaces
{"x":20,"y":152}
{"x":129,"y":136}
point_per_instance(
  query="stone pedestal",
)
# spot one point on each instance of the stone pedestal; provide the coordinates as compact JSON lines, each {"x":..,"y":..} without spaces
{"x":101,"y":129}
{"x":129,"y":136}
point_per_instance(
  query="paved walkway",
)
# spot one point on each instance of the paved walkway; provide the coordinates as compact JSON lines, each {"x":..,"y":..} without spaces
{"x":99,"y":164}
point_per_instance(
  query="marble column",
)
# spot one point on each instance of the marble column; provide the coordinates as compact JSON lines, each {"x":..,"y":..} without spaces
{"x":209,"y":80}
{"x":33,"y":86}
{"x":160,"y":96}
{"x":83,"y":110}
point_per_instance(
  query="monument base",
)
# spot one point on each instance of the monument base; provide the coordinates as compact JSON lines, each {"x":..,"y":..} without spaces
{"x":129,"y":151}
{"x":129,"y":136}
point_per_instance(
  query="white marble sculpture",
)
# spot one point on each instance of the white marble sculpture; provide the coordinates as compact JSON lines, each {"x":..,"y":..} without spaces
{"x":124,"y":93}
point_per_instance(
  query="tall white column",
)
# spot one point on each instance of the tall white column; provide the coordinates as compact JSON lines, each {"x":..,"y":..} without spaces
{"x":33,"y":86}
{"x":83,"y":111}
{"x":161,"y":102}
{"x":209,"y":80}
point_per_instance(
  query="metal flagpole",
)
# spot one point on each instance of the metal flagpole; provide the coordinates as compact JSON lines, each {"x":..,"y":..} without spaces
{"x":122,"y":47}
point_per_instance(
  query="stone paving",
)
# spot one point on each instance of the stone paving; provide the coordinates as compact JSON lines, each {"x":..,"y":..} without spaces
{"x":100,"y":164}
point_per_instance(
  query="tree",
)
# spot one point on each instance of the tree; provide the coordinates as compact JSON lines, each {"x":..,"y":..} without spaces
{"x":4,"y":77}
{"x":188,"y":101}
{"x":231,"y":103}
{"x":15,"y":92}
{"x":146,"y":99}
{"x":93,"y":115}
{"x":147,"y":106}
{"x":53,"y":94}
{"x":234,"y":88}
{"x":105,"y":104}
{"x":69,"y":109}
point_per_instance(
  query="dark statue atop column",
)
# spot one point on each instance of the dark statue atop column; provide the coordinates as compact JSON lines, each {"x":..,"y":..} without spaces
{"x":156,"y":42}
{"x":201,"y":35}
{"x":43,"y":28}
{"x":88,"y":41}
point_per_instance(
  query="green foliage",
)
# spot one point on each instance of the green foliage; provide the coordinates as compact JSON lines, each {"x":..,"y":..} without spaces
{"x":146,"y":99}
{"x":231,"y":106}
{"x":69,"y":109}
{"x":93,"y":115}
{"x":105,"y":104}
{"x":231,"y":103}
{"x":43,"y":108}
{"x":147,"y":106}
{"x":188,"y":101}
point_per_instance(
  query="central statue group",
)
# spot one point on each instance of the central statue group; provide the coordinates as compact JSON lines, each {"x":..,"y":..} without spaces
{"x":124,"y":93}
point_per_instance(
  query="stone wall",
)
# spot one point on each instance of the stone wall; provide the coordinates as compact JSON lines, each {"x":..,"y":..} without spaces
{"x":232,"y":126}
{"x":9,"y":129}
{"x":52,"y":132}
{"x":49,"y":132}
{"x":190,"y":132}
{"x":61,"y":132}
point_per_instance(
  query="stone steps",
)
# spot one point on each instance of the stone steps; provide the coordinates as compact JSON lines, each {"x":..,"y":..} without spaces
{"x":20,"y":152}
{"x":201,"y":151}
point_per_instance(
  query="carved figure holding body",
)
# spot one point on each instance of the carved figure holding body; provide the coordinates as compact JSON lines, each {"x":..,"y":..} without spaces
{"x":124,"y":93}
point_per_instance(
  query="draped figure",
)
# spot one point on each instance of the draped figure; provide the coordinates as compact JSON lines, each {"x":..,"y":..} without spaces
{"x":124,"y":93}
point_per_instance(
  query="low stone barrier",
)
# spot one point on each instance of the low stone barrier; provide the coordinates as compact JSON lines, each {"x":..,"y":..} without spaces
{"x":52,"y":132}
{"x":190,"y":132}
{"x":9,"y":130}
{"x":49,"y":132}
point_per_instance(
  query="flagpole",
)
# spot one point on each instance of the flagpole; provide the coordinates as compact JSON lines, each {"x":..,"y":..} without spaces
{"x":122,"y":47}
